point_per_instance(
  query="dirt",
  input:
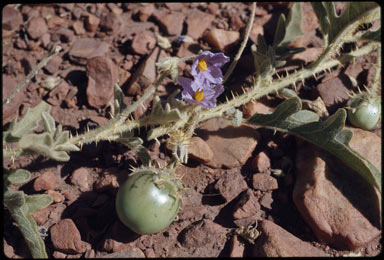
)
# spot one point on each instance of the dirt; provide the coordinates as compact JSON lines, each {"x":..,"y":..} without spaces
{"x":85,"y":187}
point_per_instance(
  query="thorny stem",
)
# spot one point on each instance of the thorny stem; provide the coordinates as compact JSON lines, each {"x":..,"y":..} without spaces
{"x":243,"y":44}
{"x":42,"y":63}
{"x":114,"y":127}
{"x":266,"y":87}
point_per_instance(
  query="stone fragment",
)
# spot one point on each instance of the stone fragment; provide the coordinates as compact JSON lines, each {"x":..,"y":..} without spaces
{"x":84,"y":49}
{"x":91,"y":23}
{"x":11,"y":18}
{"x":110,"y":23}
{"x":145,"y":75}
{"x":261,"y":163}
{"x":146,"y":11}
{"x":172,"y":23}
{"x":236,"y":23}
{"x":174,"y":6}
{"x":143,"y":42}
{"x":114,"y":8}
{"x":64,"y":35}
{"x":82,"y":179}
{"x":222,"y":39}
{"x":10,"y":110}
{"x":102,"y":77}
{"x":264,"y":182}
{"x":197,"y":22}
{"x":200,"y":150}
{"x":37,"y":27}
{"x":342,"y":209}
{"x":231,"y":184}
{"x":188,"y":49}
{"x":46,"y":181}
{"x":202,"y":233}
{"x":55,"y":22}
{"x":237,"y":247}
{"x":66,"y":237}
{"x":58,"y":94}
{"x":232,"y":145}
{"x":56,"y":196}
{"x":41,"y":215}
{"x":53,"y":65}
{"x":275,"y":241}
{"x":308,"y":55}
{"x":247,"y":206}
{"x":129,"y":252}
{"x":45,"y":40}
{"x":78,"y":27}
{"x":333,"y":92}
{"x":267,"y":200}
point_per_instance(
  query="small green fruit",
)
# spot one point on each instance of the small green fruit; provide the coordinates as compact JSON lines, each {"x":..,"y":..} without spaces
{"x":149,"y":200}
{"x":364,"y":111}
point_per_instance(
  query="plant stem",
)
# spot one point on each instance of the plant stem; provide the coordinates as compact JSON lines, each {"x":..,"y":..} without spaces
{"x":243,"y":44}
{"x":42,"y":63}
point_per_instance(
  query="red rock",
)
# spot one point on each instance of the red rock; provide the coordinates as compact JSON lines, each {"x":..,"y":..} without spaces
{"x":53,"y":65}
{"x":114,"y":8}
{"x":236,"y":22}
{"x":201,"y":233}
{"x":231,"y":184}
{"x":261,"y":163}
{"x":174,"y":6}
{"x":56,"y":196}
{"x":10,"y":110}
{"x":197,"y":22}
{"x":200,"y":150}
{"x":110,"y":23}
{"x":102,"y":77}
{"x":63,"y":35}
{"x":342,"y":209}
{"x":308,"y":55}
{"x":232,"y":146}
{"x":237,"y":247}
{"x":222,"y":39}
{"x":78,"y":27}
{"x":172,"y":23}
{"x":213,"y":8}
{"x":45,"y":40}
{"x":333,"y":92}
{"x":46,"y":181}
{"x":146,"y":11}
{"x":82,"y":179}
{"x":58,"y":94}
{"x":84,"y":49}
{"x":41,"y":215}
{"x":247,"y":206}
{"x":267,"y":200}
{"x":145,"y":75}
{"x":11,"y":18}
{"x":143,"y":42}
{"x":55,"y":22}
{"x":66,"y":237}
{"x":91,"y":23}
{"x":37,"y":27}
{"x":275,"y":241}
{"x":264,"y":182}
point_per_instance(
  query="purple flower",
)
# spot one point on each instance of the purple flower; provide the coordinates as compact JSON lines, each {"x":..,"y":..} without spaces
{"x":200,"y":91}
{"x":207,"y":66}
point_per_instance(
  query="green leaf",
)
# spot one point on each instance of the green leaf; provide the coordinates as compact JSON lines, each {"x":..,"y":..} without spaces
{"x":18,"y":176}
{"x":372,"y":35}
{"x":119,"y":100}
{"x":136,"y":144}
{"x":30,"y":120}
{"x":332,"y":25}
{"x":166,"y":115}
{"x":328,"y":135}
{"x":49,"y":122}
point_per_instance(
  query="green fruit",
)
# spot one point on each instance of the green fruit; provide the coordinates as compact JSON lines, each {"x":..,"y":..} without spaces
{"x":149,"y":200}
{"x":364,"y":111}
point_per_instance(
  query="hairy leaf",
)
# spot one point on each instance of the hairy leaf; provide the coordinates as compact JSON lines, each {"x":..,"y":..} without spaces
{"x":29,"y":122}
{"x":328,"y":135}
{"x":166,"y":115}
{"x":21,"y":207}
{"x":332,"y":25}
{"x":136,"y":144}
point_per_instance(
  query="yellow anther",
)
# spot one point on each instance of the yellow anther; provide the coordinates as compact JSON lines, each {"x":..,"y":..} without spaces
{"x":202,"y":65}
{"x":199,"y":95}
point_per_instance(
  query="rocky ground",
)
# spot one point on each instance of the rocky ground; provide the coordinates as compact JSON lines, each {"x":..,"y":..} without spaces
{"x":298,"y":200}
